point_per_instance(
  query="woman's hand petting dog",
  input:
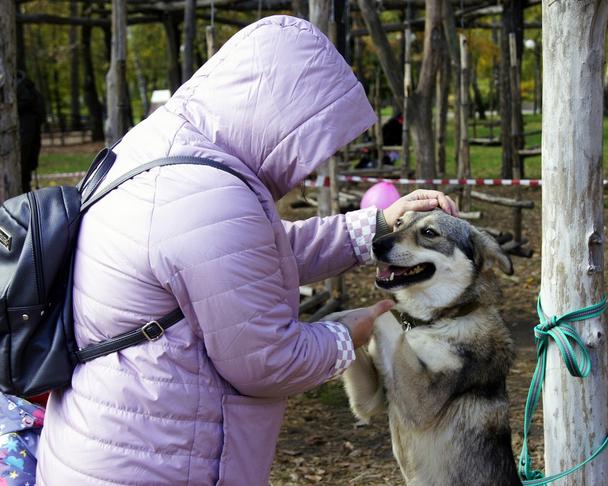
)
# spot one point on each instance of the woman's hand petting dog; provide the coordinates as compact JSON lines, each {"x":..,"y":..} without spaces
{"x":419,"y":200}
{"x":360,"y":322}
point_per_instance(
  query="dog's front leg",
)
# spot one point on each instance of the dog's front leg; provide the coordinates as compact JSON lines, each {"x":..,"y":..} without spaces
{"x":363,"y":386}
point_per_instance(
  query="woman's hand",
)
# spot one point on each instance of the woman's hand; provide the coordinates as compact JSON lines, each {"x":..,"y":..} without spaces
{"x":360,"y":322}
{"x":419,"y":200}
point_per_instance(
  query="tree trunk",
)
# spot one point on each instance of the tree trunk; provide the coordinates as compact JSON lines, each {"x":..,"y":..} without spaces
{"x":172,"y":32}
{"x":441,"y":112}
{"x":406,"y":170}
{"x":20,"y":42}
{"x":9,"y":121}
{"x":449,"y":28}
{"x":89,"y":87}
{"x":319,"y":11}
{"x":116,"y":79}
{"x":377,"y":101}
{"x":74,"y":71}
{"x":386,"y":57}
{"x":189,"y":36}
{"x":299,"y":8}
{"x":575,"y":411}
{"x":142,"y":85}
{"x":464,"y":162}
{"x":210,"y":38}
{"x":512,"y":22}
{"x":480,"y":106}
{"x":420,"y":109}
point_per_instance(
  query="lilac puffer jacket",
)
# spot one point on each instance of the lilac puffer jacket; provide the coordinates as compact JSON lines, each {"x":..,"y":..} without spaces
{"x":203,"y":404}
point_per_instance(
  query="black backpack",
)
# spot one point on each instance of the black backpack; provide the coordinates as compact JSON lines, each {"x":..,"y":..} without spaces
{"x":38,"y":233}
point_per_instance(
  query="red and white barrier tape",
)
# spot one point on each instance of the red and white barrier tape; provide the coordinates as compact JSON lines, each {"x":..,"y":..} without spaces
{"x":325,"y":181}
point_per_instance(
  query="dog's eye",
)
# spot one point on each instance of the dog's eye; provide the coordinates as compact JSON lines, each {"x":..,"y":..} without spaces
{"x":429,"y":233}
{"x":398,"y":223}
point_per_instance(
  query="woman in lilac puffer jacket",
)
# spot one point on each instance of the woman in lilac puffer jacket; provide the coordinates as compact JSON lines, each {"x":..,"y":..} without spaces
{"x":203,"y":404}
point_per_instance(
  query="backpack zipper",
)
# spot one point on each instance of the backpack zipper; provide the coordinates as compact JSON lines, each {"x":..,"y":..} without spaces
{"x":37,"y":246}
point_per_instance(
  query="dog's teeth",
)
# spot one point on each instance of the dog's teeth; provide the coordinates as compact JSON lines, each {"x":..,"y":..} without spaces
{"x":392,"y":276}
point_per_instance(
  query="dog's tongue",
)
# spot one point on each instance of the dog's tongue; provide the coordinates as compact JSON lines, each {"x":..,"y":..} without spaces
{"x":383,"y":272}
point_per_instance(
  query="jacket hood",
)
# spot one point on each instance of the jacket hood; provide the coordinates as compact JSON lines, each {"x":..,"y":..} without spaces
{"x":279,"y":97}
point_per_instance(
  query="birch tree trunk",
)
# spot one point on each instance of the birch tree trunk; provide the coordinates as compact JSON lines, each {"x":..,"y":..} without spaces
{"x":116,"y":79}
{"x":10,"y":168}
{"x":210,"y":38}
{"x":575,"y":410}
{"x":464,"y":162}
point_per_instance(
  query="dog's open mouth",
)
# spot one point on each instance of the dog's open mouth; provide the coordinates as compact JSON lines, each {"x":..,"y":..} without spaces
{"x":391,"y":276}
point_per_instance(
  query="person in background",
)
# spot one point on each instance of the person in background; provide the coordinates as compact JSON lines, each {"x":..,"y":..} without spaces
{"x":203,"y":404}
{"x":32,"y":114}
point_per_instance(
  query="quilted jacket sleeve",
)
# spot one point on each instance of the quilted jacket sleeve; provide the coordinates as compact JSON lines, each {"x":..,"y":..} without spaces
{"x":215,"y":252}
{"x":326,"y":247}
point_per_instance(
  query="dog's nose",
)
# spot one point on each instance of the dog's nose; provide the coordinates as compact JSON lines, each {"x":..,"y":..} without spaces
{"x":381,"y":246}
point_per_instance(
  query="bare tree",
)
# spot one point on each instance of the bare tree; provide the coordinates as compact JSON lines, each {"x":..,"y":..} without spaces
{"x":116,"y":79}
{"x":575,"y":411}
{"x":10,"y":168}
{"x":419,"y":108}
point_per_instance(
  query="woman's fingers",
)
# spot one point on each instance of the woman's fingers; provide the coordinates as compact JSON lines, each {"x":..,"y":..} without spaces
{"x":380,"y":308}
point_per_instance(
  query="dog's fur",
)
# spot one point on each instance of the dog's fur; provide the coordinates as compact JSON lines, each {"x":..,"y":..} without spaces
{"x":443,"y":383}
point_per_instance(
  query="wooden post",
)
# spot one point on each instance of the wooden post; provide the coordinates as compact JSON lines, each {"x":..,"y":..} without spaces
{"x":377,"y":100}
{"x":575,"y":410}
{"x":116,"y":79}
{"x":464,"y":162}
{"x":516,"y":131}
{"x":407,"y":92}
{"x":10,"y":168}
{"x":210,"y":38}
{"x":189,"y":36}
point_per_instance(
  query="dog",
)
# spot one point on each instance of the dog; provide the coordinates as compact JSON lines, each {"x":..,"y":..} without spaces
{"x":439,"y":361}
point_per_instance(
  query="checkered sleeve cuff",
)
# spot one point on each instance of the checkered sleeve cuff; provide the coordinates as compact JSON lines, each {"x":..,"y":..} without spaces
{"x":361,"y":228}
{"x":346,"y":350}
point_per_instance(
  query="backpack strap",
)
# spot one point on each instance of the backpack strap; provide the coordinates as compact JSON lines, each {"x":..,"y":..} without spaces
{"x":175,"y":160}
{"x":152,"y":330}
{"x":97,"y":172}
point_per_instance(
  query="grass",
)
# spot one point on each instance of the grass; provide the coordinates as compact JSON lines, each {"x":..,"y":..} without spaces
{"x":52,"y":163}
{"x":486,"y":162}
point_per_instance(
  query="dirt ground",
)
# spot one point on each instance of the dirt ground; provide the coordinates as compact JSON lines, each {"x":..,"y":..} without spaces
{"x":321,"y":442}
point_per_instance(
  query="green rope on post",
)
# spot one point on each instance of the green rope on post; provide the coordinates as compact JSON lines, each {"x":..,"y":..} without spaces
{"x":566,"y":338}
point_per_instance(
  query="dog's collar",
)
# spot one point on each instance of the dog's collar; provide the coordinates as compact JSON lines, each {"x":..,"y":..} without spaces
{"x":408,"y":322}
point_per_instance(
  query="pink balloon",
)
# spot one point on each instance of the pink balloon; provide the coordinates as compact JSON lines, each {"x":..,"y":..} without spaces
{"x":381,"y":195}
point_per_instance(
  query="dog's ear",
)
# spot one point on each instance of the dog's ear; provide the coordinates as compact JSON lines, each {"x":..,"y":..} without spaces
{"x":488,"y":251}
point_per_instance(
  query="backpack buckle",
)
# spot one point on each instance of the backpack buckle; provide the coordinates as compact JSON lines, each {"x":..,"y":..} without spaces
{"x":152,"y":331}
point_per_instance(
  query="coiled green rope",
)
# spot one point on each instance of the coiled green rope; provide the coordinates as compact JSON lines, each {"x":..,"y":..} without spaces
{"x":566,"y":338}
